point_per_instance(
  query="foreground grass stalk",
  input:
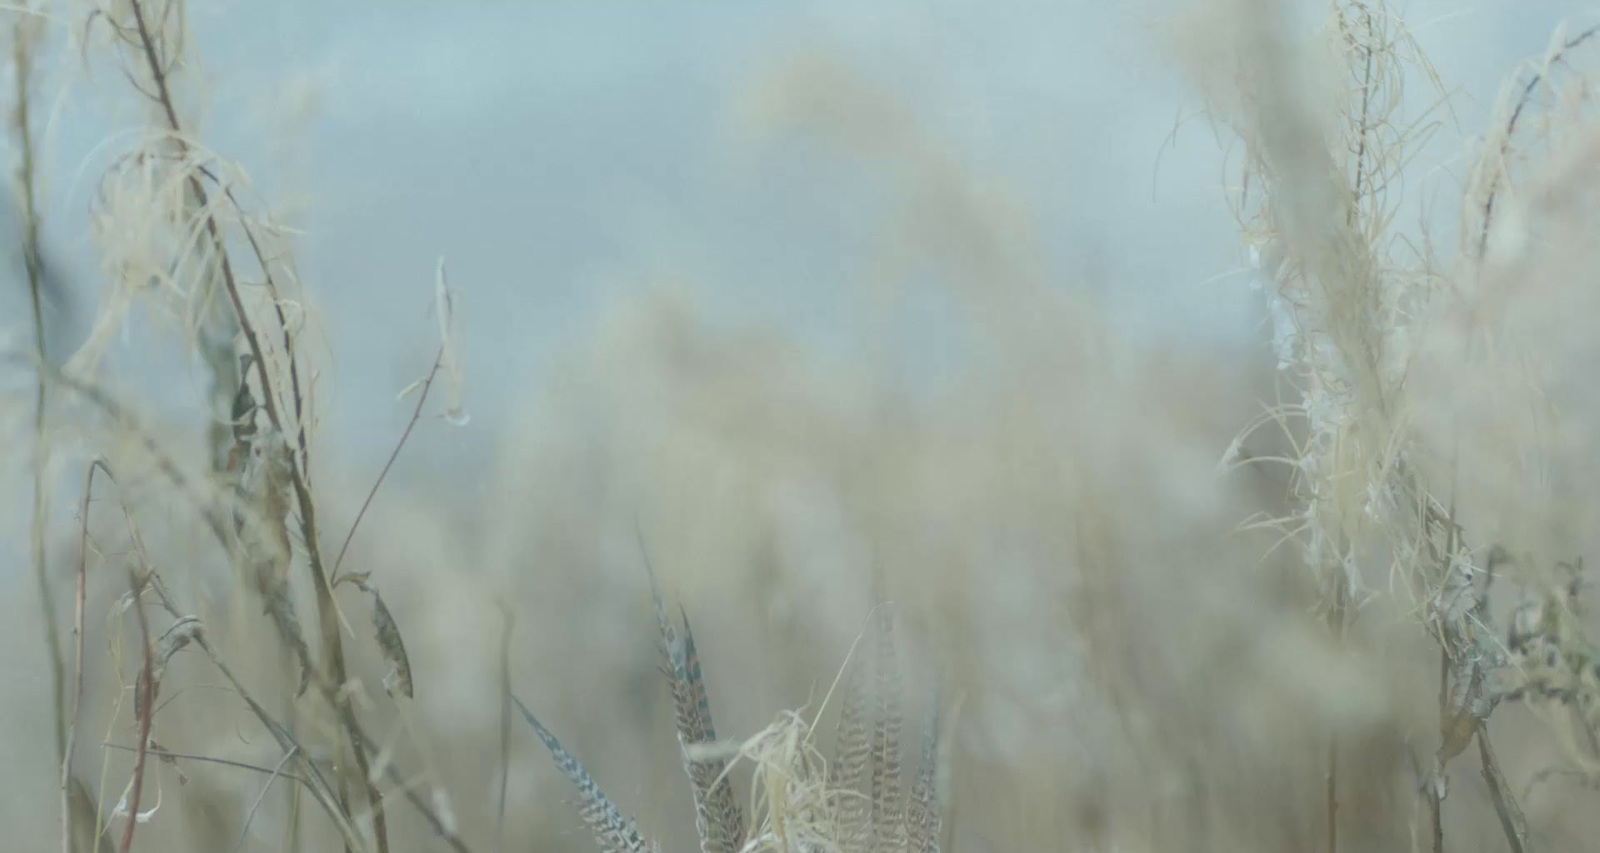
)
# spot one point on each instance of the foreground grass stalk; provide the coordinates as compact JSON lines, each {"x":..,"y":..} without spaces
{"x":358,"y":737}
{"x":77,"y":655}
{"x":416,"y":414}
{"x":24,"y":33}
{"x":1512,"y":820}
{"x":333,"y":650}
{"x":145,"y":710}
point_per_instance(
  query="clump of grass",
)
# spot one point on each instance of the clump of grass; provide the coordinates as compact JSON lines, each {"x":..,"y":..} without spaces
{"x":798,"y":800}
{"x":1362,"y":308}
{"x":174,"y":230}
{"x":1138,"y":645}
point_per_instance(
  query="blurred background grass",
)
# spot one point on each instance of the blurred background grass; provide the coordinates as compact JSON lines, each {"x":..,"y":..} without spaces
{"x":945,"y":293}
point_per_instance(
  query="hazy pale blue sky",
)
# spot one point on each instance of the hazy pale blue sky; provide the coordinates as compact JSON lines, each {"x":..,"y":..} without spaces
{"x":562,"y":154}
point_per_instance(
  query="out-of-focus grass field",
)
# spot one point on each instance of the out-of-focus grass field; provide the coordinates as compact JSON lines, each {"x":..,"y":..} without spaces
{"x":1317,"y":586}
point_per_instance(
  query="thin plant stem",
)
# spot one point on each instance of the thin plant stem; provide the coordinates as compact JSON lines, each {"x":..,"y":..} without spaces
{"x":77,"y":655}
{"x":422,"y":397}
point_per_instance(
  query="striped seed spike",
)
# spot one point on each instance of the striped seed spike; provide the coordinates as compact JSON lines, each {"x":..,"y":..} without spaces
{"x":852,"y":751}
{"x":719,"y":820}
{"x":671,"y":647}
{"x":888,"y":818}
{"x":718,"y":815}
{"x":924,"y":822}
{"x":703,"y":731}
{"x":612,"y":832}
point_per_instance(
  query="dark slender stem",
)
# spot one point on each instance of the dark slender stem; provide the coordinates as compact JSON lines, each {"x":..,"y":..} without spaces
{"x":77,"y":655}
{"x":505,"y":727}
{"x":1512,"y":820}
{"x":328,"y":689}
{"x":32,"y":255}
{"x":208,"y":759}
{"x":1511,"y":129}
{"x":321,"y":791}
{"x":422,"y":397}
{"x":146,"y":707}
{"x":1435,"y":783}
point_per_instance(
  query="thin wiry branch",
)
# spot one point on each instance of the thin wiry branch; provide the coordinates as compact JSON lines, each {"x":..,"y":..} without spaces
{"x":145,"y":710}
{"x":77,"y":653}
{"x":314,"y":675}
{"x":1512,"y":820}
{"x":1534,"y":81}
{"x":422,"y":397}
{"x":25,"y":35}
{"x":166,"y":754}
{"x":505,"y":727}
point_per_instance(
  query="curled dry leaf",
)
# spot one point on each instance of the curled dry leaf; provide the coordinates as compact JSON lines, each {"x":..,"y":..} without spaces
{"x":397,"y":681}
{"x":176,"y":637}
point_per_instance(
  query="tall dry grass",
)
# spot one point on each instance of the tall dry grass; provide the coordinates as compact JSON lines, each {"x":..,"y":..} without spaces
{"x":1019,"y":607}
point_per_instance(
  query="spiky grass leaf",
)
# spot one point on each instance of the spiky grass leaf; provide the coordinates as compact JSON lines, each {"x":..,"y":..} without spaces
{"x":719,"y":819}
{"x":613,"y":832}
{"x":852,"y":752}
{"x":888,"y":818}
{"x":924,"y":819}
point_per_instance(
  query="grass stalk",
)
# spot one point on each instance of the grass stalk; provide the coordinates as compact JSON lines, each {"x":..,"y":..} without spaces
{"x":333,"y":647}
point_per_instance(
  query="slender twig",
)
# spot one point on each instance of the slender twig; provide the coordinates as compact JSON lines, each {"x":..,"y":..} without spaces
{"x":226,"y":762}
{"x":283,"y":322}
{"x":1511,"y":129}
{"x":1336,"y":621}
{"x":1512,"y":820}
{"x":330,"y":691}
{"x":321,"y":791}
{"x":505,"y":727}
{"x":77,"y":655}
{"x":146,"y":706}
{"x":1436,"y":781}
{"x":251,"y":815}
{"x":422,"y":397}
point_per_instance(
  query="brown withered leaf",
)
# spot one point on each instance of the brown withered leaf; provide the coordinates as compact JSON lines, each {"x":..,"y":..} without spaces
{"x":397,"y":681}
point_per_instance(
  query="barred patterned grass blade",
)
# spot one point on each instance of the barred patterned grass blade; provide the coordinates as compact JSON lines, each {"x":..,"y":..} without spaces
{"x":924,"y":820}
{"x":612,"y":832}
{"x":718,"y":815}
{"x":719,"y":819}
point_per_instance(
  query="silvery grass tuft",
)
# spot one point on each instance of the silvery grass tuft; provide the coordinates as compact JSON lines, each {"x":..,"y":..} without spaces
{"x":799,"y":801}
{"x":1402,"y":486}
{"x":239,"y":677}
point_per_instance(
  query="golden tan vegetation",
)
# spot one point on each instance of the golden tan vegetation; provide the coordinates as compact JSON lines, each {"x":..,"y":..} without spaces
{"x":1084,"y":595}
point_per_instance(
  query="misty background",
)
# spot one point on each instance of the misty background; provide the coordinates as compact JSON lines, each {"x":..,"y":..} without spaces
{"x":571,"y":160}
{"x":562,"y":157}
